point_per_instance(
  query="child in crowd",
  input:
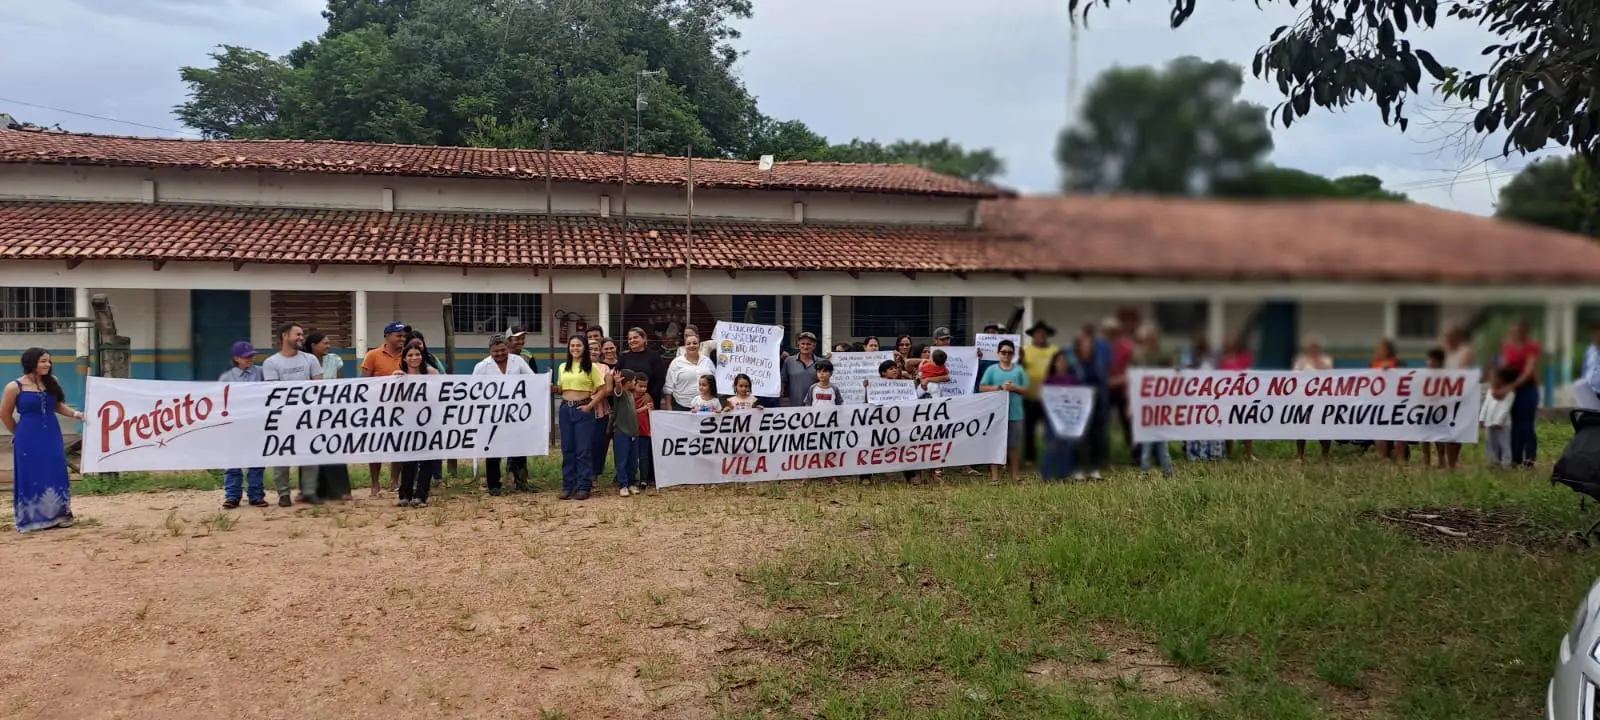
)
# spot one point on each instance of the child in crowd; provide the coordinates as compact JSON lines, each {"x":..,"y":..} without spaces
{"x":933,"y":371}
{"x":741,"y":398}
{"x":625,"y":430}
{"x":641,"y":407}
{"x":1495,"y":417}
{"x":1435,"y":361}
{"x":1007,"y":377}
{"x":823,"y":392}
{"x":707,"y":403}
{"x":1056,"y":464}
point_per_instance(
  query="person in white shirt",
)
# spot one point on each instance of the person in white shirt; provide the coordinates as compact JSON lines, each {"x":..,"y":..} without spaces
{"x":1312,"y":358}
{"x":683,"y":374}
{"x":502,"y":361}
{"x":290,"y":364}
{"x":1496,"y":418}
{"x":1586,"y":391}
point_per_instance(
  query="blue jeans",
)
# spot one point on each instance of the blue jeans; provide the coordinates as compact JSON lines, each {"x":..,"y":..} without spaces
{"x":626,"y":457}
{"x":1059,"y":453}
{"x":577,"y":443}
{"x":232,"y":478}
{"x":1162,"y":453}
{"x":1524,"y":413}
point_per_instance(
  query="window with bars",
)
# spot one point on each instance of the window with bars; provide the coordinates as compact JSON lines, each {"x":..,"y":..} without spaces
{"x":1417,"y":321}
{"x":35,"y":302}
{"x":890,"y":317}
{"x":1180,"y":317}
{"x":486,"y":313}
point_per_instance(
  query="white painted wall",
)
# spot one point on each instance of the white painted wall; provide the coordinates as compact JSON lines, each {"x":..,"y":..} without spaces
{"x":361,"y":192}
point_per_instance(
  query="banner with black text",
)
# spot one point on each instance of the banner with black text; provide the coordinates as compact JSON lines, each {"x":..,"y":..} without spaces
{"x":1397,"y":405}
{"x":144,"y":425}
{"x":828,"y":441}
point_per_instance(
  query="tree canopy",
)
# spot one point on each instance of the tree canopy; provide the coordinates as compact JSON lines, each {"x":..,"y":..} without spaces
{"x":1271,"y":181}
{"x":1558,"y":193}
{"x":490,"y":73}
{"x":1540,"y":85}
{"x":1174,"y":130}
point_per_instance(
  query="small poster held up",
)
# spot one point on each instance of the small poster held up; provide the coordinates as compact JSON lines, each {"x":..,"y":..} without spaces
{"x":962,"y":362}
{"x":851,"y":369}
{"x":882,"y":391}
{"x":749,"y":349}
{"x":1068,"y":408}
{"x":989,"y":343}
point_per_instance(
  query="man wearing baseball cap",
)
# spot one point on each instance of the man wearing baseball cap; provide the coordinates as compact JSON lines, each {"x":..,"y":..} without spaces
{"x":941,"y":336}
{"x":244,"y":370}
{"x":383,"y":361}
{"x":799,"y":370}
{"x":516,"y":339}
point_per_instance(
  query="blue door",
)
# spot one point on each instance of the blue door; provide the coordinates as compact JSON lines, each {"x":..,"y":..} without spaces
{"x":1279,"y":325}
{"x":218,"y":319}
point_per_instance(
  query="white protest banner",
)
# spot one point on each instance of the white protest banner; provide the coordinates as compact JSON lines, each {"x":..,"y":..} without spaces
{"x":962,"y":362}
{"x":851,"y":368}
{"x":1068,"y":408}
{"x":989,"y":343}
{"x":881,"y":391}
{"x":748,"y":349}
{"x":1398,"y":405}
{"x":160,"y":425}
{"x":828,"y":441}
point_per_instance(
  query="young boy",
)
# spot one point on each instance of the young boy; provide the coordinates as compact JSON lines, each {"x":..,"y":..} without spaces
{"x":1435,"y":362}
{"x":625,"y":431}
{"x":1495,"y":417}
{"x":1007,"y":377}
{"x":646,"y":454}
{"x":823,"y":392}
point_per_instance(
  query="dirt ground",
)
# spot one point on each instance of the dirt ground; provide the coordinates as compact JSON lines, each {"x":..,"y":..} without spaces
{"x":523,"y":607}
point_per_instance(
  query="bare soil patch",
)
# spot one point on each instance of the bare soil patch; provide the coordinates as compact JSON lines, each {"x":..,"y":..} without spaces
{"x":163,"y":606}
{"x":1465,"y":527}
{"x":1125,"y":662}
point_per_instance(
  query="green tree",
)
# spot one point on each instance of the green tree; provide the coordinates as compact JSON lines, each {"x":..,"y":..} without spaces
{"x":488,"y":73}
{"x":1539,"y":86}
{"x":1272,"y":181}
{"x":1174,"y":131}
{"x":1557,"y":193}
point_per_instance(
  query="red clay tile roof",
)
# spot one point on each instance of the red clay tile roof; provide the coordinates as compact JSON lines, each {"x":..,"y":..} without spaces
{"x":1334,"y":240}
{"x":132,"y":231}
{"x":329,"y":156}
{"x":1118,"y":237}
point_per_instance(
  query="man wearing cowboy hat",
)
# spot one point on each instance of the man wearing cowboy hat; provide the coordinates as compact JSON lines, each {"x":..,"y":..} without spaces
{"x":1036,"y":356}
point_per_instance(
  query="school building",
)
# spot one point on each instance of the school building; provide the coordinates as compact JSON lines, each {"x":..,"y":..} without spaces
{"x":199,"y":243}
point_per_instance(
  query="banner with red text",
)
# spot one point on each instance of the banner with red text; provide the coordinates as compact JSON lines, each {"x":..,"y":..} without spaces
{"x":159,"y":425}
{"x":830,"y":441}
{"x":1399,"y":404}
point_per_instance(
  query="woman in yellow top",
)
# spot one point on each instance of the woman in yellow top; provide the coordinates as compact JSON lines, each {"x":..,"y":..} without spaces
{"x":1035,"y":361}
{"x":582,"y":385}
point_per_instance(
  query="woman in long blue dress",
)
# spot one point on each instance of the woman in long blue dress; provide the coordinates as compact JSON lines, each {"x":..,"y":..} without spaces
{"x":40,"y":496}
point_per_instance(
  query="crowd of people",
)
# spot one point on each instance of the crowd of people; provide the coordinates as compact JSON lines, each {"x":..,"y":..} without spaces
{"x":606,"y":394}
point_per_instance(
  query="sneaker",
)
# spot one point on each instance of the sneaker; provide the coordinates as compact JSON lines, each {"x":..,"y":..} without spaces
{"x":403,"y":503}
{"x":496,"y":492}
{"x":565,"y":495}
{"x":260,"y":503}
{"x":419,"y":503}
{"x":1077,"y":476}
{"x":1095,"y":475}
{"x":230,"y":504}
{"x":284,"y":501}
{"x":624,"y":492}
{"x":582,"y":495}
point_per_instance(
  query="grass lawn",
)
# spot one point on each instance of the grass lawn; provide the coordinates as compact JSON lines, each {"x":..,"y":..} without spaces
{"x":1231,"y":590}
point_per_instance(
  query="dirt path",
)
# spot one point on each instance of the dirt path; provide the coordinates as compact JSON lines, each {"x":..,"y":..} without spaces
{"x":476,"y":607}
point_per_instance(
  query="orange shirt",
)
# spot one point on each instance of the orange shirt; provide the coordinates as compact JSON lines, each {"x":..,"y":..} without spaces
{"x":380,"y":362}
{"x":1388,"y":364}
{"x":930,"y":370}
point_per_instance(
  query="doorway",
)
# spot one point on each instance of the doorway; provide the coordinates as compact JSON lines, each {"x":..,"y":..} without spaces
{"x":217,"y":320}
{"x":1280,"y":331}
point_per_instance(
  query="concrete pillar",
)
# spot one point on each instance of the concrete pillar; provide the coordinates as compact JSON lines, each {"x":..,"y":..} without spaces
{"x":1555,"y":353}
{"x":1569,"y":340}
{"x":1027,"y":315}
{"x":1391,"y":318}
{"x":1216,"y":323}
{"x":777,"y":311}
{"x":83,"y":331}
{"x":797,"y":315}
{"x":827,"y":323}
{"x":603,"y":315}
{"x":358,"y":326}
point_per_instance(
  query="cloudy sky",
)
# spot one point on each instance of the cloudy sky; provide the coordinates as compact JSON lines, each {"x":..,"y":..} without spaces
{"x":884,"y":69}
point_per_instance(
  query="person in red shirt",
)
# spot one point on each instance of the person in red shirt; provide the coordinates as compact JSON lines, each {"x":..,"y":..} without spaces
{"x":647,"y":466}
{"x":1122,"y":350}
{"x":1384,"y":357}
{"x":1520,"y":353}
{"x":1236,"y":356}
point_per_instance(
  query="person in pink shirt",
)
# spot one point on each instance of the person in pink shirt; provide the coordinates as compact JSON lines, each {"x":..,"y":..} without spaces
{"x":1122,"y":350}
{"x":1236,"y":356}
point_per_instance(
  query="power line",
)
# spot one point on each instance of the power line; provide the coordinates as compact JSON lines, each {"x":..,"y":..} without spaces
{"x":95,"y":117}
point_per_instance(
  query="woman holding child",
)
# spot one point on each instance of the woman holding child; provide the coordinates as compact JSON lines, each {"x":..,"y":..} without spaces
{"x":1520,"y":354}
